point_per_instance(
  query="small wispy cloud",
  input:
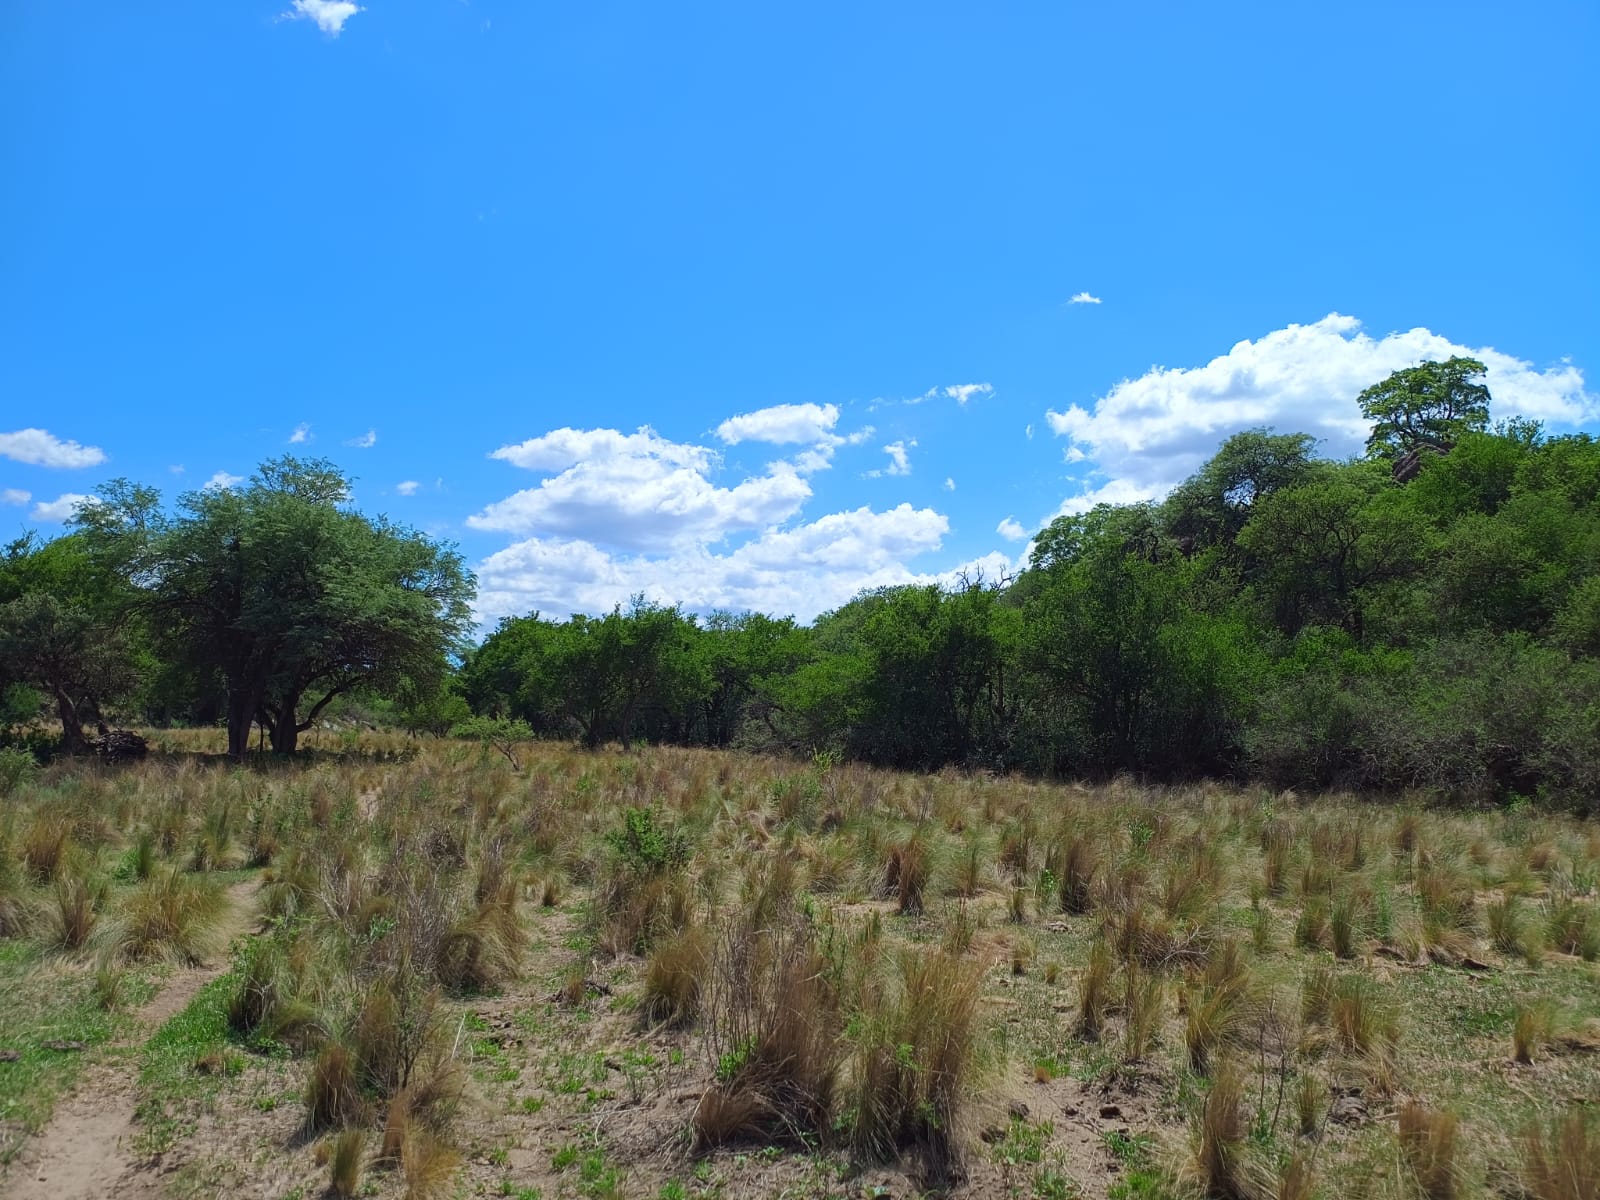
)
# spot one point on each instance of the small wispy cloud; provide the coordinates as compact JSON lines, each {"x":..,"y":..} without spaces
{"x":959,"y":392}
{"x":221,"y":482}
{"x":1084,"y":298}
{"x":899,"y":459}
{"x":366,"y":441}
{"x":407,"y":487}
{"x":962,"y":392}
{"x":14,"y":496}
{"x":949,"y":484}
{"x":1011,"y":529}
{"x":330,"y":15}
{"x":302,"y":433}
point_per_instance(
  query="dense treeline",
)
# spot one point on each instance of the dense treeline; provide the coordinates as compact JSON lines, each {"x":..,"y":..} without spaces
{"x":1424,"y":616}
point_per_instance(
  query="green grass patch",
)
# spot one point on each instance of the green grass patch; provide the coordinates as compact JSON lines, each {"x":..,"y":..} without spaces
{"x":184,"y":1065}
{"x":44,"y":999}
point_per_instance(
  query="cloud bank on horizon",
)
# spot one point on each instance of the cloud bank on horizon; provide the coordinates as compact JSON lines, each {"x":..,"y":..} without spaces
{"x":612,"y":514}
{"x":620,"y":514}
{"x":1148,"y":434}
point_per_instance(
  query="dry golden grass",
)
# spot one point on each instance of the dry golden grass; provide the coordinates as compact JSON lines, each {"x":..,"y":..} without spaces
{"x":844,"y":964}
{"x":1562,"y":1162}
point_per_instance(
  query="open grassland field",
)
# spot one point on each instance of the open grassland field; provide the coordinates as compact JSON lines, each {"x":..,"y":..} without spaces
{"x":414,"y":968}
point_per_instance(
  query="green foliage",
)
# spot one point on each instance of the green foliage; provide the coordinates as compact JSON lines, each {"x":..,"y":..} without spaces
{"x":1425,"y":407}
{"x":502,"y":733}
{"x":1425,"y":617}
{"x":646,"y":847}
{"x":63,"y":650}
{"x":285,"y":593}
{"x":17,"y":766}
{"x":1215,"y":503}
{"x":1307,"y":622}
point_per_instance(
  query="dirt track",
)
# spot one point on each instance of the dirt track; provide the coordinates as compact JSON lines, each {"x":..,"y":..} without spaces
{"x":83,"y":1152}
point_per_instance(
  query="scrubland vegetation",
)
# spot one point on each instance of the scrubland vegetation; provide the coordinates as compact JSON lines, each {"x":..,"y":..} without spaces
{"x":1423,"y":617}
{"x":677,"y":972}
{"x":998,"y":888}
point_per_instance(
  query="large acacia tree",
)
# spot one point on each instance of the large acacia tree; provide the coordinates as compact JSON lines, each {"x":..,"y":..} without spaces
{"x":1425,"y":408}
{"x":287,"y":593}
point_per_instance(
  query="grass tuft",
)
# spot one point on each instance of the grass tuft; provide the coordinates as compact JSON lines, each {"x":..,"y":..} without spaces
{"x":1563,"y":1161}
{"x":1428,"y":1142}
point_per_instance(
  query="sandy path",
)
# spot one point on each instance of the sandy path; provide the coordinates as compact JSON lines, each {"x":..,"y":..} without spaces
{"x":82,"y":1153}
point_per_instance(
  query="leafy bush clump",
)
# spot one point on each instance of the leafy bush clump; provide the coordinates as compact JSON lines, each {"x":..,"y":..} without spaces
{"x":647,"y":848}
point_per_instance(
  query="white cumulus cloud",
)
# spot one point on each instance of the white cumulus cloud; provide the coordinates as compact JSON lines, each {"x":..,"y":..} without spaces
{"x":221,"y":482}
{"x":366,"y":441}
{"x":1084,"y":298}
{"x":1011,"y":529}
{"x":407,"y":487}
{"x":636,"y":491}
{"x":617,"y":514}
{"x":810,"y":425}
{"x":781,"y":424}
{"x":1147,"y":434}
{"x":14,"y":496}
{"x":949,"y":484}
{"x":62,"y":508}
{"x":804,"y":570}
{"x":302,"y":433}
{"x":330,"y":15}
{"x":41,"y":448}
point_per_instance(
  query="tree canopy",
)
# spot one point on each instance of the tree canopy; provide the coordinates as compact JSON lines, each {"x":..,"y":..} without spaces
{"x":285,"y":594}
{"x":1426,"y":407}
{"x":1280,"y":616}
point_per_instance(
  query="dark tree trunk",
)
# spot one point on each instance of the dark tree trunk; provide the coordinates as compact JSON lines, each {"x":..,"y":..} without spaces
{"x":242,"y":706}
{"x":283,"y":728}
{"x":72,"y":739}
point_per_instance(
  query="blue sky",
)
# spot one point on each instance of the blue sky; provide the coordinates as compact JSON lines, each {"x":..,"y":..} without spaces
{"x":749,"y":306}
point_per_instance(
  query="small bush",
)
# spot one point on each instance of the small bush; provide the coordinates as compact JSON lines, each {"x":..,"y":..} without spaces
{"x":647,"y":847}
{"x":17,"y":767}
